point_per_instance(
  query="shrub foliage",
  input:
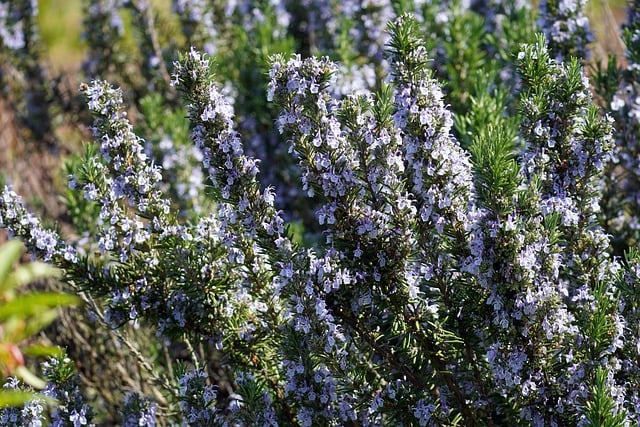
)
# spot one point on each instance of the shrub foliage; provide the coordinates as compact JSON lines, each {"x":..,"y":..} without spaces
{"x":344,"y":213}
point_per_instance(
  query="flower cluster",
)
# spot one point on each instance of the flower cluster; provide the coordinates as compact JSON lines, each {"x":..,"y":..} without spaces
{"x":566,"y":27}
{"x":565,"y":159}
{"x":197,"y":399}
{"x":243,"y":207}
{"x":138,"y":411}
{"x":22,"y":71}
{"x":13,"y":20}
{"x":197,"y":23}
{"x":132,"y":180}
{"x":30,"y":414}
{"x":167,"y":141}
{"x":46,"y":243}
{"x":354,"y":150}
{"x":538,"y":254}
{"x":63,"y":386}
{"x":104,"y":28}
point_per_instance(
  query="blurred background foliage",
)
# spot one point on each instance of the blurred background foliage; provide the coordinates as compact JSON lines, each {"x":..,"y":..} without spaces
{"x":60,"y":23}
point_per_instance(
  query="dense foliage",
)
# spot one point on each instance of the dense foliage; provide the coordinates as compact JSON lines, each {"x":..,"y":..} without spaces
{"x":343,"y":213}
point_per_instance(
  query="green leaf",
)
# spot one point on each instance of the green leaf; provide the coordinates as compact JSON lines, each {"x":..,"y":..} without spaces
{"x":30,"y":305}
{"x":38,"y":322}
{"x":13,"y":398}
{"x":10,"y":252}
{"x":28,"y":273}
{"x":38,"y":350}
{"x":28,"y":378}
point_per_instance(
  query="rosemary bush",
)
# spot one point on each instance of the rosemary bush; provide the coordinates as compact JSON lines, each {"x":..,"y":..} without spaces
{"x":422,"y":217}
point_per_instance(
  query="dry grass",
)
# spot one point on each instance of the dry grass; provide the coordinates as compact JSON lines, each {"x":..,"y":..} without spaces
{"x":606,"y":18}
{"x":31,"y":168}
{"x":60,"y":24}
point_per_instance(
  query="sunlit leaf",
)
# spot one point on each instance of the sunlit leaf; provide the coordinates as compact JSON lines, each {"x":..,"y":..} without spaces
{"x":38,"y":350}
{"x":33,"y":304}
{"x":29,"y":378}
{"x":9,"y":253}
{"x":28,"y":273}
{"x":39,"y":322}
{"x":12,"y":398}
